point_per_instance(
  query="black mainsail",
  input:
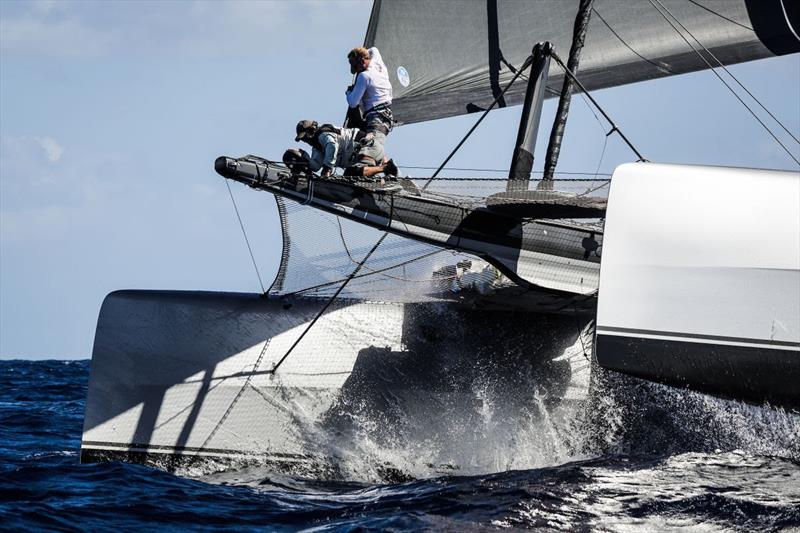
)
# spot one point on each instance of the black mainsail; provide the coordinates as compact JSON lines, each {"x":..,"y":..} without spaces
{"x":450,"y":58}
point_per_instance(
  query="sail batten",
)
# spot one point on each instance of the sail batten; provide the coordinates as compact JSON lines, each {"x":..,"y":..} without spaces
{"x":478,"y":43}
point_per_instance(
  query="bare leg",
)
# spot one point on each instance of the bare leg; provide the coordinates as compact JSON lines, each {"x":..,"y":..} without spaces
{"x":371,"y":171}
{"x":370,"y":168}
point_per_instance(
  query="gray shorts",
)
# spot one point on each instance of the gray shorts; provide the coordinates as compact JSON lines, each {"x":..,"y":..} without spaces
{"x":372,"y":147}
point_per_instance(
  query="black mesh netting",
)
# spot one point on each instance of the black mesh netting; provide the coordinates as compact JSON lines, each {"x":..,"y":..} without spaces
{"x":322,"y":249}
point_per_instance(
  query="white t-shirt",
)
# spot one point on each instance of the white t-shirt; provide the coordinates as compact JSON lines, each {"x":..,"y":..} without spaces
{"x":372,"y":86}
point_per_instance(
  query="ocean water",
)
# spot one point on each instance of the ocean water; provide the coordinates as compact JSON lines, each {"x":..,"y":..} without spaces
{"x":665,"y":460}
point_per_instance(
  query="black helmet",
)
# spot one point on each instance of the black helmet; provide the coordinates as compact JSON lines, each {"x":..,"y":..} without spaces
{"x":305,"y":129}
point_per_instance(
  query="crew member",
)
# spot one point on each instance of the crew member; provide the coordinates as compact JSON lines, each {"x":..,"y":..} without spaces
{"x":337,"y":147}
{"x":372,"y":91}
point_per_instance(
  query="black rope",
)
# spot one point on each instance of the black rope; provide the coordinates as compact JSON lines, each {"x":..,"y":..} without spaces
{"x":327,"y":304}
{"x":236,"y":398}
{"x":246,"y":240}
{"x":659,"y":66}
{"x":594,"y":102}
{"x":483,"y":116}
{"x":698,"y":4}
{"x":511,"y":67}
{"x":729,"y":73}
{"x":708,"y":64}
{"x":593,"y":324}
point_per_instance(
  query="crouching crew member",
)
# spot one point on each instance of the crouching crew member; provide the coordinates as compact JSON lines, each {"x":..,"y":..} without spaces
{"x":336,"y":147}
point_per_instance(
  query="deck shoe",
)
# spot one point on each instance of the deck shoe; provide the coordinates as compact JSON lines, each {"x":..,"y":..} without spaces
{"x":390,"y":169}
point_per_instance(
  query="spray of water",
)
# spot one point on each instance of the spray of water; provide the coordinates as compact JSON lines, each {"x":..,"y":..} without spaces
{"x":468,"y":413}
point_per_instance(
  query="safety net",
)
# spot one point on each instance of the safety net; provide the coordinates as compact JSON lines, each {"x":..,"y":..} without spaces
{"x":321,"y":249}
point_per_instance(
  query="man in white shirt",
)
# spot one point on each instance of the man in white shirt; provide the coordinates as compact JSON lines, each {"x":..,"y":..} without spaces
{"x":372,"y":91}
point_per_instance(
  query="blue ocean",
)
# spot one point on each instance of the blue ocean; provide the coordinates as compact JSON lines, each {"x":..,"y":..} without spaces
{"x":738,"y":470}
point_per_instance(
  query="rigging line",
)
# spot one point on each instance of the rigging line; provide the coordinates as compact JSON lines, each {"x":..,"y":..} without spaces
{"x":547,"y":88}
{"x":600,"y":122}
{"x":614,"y":127}
{"x":583,"y":346}
{"x":720,"y":15}
{"x":708,"y":64}
{"x":592,"y":189}
{"x":605,"y":144}
{"x":327,"y":304}
{"x":740,"y":84}
{"x":246,"y":240}
{"x":237,"y":397}
{"x":347,"y":250}
{"x":729,"y":73}
{"x":512,"y":68}
{"x":602,"y":155}
{"x":372,"y":272}
{"x":659,"y":66}
{"x":495,"y":169}
{"x":380,"y":271}
{"x":344,"y":242}
{"x":525,"y":65}
{"x":506,"y":179}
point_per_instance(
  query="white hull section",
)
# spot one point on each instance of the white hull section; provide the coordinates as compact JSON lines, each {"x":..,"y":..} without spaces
{"x":701,"y":267}
{"x":188,"y":374}
{"x":417,"y":388}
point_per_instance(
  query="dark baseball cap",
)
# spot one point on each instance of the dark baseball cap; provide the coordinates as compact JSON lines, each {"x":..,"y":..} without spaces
{"x":304,"y":129}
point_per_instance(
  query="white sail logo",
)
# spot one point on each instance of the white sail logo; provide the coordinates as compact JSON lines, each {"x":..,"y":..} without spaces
{"x":402,"y":76}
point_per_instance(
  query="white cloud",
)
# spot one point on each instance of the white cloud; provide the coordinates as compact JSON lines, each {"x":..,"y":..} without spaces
{"x":44,"y":7}
{"x":37,"y":34}
{"x":52,"y":149}
{"x":33,"y":175}
{"x":92,"y":29}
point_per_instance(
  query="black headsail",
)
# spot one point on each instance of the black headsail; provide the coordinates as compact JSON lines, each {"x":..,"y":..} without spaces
{"x":447,"y":73}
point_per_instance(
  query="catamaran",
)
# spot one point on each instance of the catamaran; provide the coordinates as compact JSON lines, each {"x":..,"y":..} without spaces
{"x":402,"y":318}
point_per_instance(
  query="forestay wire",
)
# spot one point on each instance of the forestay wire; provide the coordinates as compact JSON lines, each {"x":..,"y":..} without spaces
{"x":525,"y":65}
{"x":664,"y":14}
{"x":614,"y":127}
{"x":246,"y":240}
{"x":327,"y":304}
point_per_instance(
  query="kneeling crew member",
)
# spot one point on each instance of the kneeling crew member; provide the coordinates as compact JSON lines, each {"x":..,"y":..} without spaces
{"x":335,"y":147}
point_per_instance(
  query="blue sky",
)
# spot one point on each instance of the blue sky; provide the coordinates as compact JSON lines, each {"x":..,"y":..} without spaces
{"x":112,"y":113}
